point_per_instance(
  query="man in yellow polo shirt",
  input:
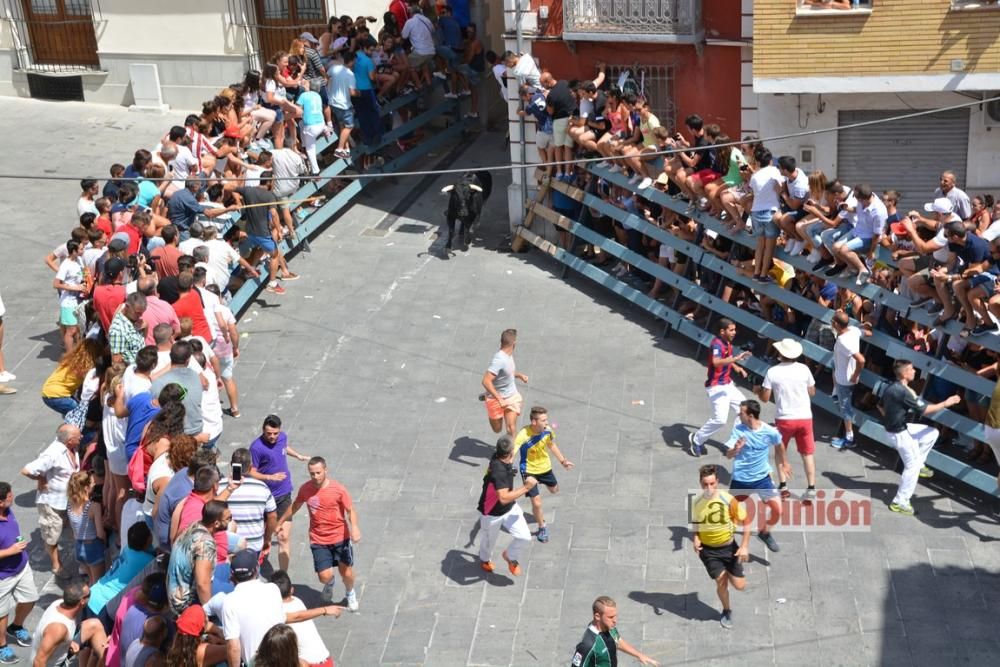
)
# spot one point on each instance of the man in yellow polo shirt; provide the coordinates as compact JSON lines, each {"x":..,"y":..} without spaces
{"x":533,"y":443}
{"x":714,"y":515}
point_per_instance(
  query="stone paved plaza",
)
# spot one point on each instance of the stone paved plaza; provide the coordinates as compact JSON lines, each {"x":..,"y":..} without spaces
{"x":374,"y":359}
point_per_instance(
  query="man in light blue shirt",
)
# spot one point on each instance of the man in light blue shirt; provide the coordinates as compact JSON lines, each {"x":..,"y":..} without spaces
{"x":864,"y":238}
{"x":750,"y":449}
{"x":313,"y":125}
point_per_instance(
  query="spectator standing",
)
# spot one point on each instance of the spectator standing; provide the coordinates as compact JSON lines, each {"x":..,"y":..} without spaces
{"x":750,"y":449}
{"x":498,"y":509}
{"x":714,"y":516}
{"x":17,"y":581}
{"x":109,"y":295}
{"x":253,"y":507}
{"x":342,"y":89}
{"x":127,"y":331}
{"x":311,"y":647}
{"x":253,"y":608}
{"x":912,"y":441}
{"x":58,"y":626}
{"x":503,"y":402}
{"x":532,"y":443}
{"x":722,"y":393}
{"x":157,"y":310}
{"x":71,"y":284}
{"x":52,"y":471}
{"x":177,"y":489}
{"x":262,"y":227}
{"x":85,"y":519}
{"x":181,"y":374}
{"x":601,"y":641}
{"x":366,"y":103}
{"x":765,"y":184}
{"x":192,"y":559}
{"x":847,"y":365}
{"x":333,"y":528}
{"x":269,"y":455}
{"x":792,"y":386}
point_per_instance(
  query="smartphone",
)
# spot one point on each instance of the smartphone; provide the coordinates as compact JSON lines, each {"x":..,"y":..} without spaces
{"x":19,"y":539}
{"x":237,"y":472}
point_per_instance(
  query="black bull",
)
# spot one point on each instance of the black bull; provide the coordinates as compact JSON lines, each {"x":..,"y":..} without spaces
{"x":465,"y":203}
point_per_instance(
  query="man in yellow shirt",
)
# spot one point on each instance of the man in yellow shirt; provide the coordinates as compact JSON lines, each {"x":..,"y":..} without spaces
{"x":714,"y":515}
{"x":533,"y":443}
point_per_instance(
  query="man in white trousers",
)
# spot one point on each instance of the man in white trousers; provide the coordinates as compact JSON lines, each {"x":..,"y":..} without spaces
{"x":722,"y":393}
{"x":499,"y":509}
{"x":912,"y":441}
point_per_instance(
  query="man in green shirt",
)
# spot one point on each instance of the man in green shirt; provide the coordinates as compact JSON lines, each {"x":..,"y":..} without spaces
{"x":601,"y":641}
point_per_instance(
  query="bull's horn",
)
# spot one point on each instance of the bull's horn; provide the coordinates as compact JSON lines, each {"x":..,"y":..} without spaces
{"x":447,"y":188}
{"x":475,"y":187}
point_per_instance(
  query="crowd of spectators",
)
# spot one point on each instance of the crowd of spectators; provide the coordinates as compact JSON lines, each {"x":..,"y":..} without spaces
{"x":943,"y":257}
{"x":149,"y":343}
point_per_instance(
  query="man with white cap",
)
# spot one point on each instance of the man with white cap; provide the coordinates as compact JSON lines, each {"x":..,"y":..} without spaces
{"x":932,"y":252}
{"x":792,"y":385}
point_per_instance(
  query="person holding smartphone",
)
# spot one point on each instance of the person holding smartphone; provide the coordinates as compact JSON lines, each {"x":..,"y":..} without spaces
{"x":17,"y":581}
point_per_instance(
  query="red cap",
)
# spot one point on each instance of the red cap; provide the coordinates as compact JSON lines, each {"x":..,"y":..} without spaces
{"x":191,"y":622}
{"x":899,"y":229}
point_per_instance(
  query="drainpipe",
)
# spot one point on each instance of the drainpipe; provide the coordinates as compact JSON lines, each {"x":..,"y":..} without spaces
{"x":524,"y":148}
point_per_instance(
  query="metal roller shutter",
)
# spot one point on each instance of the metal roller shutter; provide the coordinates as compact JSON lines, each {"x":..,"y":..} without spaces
{"x":905,"y":155}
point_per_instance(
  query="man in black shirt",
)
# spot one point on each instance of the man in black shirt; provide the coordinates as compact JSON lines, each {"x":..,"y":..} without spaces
{"x":498,"y":507}
{"x":912,"y":441}
{"x":561,"y":103}
{"x":260,"y":210}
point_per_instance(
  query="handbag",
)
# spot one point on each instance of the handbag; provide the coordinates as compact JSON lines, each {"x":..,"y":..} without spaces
{"x":77,"y":416}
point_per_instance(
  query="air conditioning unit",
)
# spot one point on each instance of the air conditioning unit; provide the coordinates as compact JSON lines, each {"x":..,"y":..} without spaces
{"x":991,"y":110}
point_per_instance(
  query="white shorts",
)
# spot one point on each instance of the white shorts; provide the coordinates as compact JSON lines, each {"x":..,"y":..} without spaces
{"x":543,"y":140}
{"x":16,"y":590}
{"x":667,"y":252}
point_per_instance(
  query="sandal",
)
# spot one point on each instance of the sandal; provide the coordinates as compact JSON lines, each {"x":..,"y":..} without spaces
{"x":941,"y":319}
{"x":965,"y":332}
{"x":288,"y":276}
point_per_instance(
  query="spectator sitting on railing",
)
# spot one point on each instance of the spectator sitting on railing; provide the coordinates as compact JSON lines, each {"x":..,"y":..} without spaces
{"x":828,"y":221}
{"x":982,"y":219}
{"x":928,"y":242}
{"x":793,"y":194}
{"x":863,"y":238}
{"x":707,"y":171}
{"x":683,"y":164}
{"x":593,"y":124}
{"x":963,"y":249}
{"x":643,"y":162}
{"x":630,"y":136}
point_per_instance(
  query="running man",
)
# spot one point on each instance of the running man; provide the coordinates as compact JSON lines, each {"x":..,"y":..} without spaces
{"x":750,"y":449}
{"x":722,"y":393}
{"x":532,"y":443}
{"x":333,"y":527}
{"x":499,"y":509}
{"x":269,"y":454}
{"x":912,"y":441}
{"x":601,"y":641}
{"x":714,"y":516}
{"x":503,"y":403}
{"x":792,"y":385}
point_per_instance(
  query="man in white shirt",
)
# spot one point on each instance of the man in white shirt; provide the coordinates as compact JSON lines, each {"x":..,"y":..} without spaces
{"x":765,"y":184}
{"x":187,"y":246}
{"x":793,"y":194}
{"x":864,"y":238}
{"x":954,"y":194}
{"x":223,"y":258}
{"x":524,"y":69}
{"x":792,"y":385}
{"x":847,"y":364}
{"x":420,"y":31}
{"x":52,"y":470}
{"x":253,"y":608}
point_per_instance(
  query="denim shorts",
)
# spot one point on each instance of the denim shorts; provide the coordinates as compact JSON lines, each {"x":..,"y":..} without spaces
{"x":764,"y":225}
{"x":345,"y":117}
{"x":90,"y":552}
{"x":987,"y":281}
{"x":265,"y":243}
{"x":62,"y":404}
{"x":844,"y":394}
{"x":855,"y":243}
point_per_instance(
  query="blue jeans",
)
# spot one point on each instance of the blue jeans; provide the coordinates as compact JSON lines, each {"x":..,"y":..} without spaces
{"x":831,"y":236}
{"x":856,"y":243}
{"x":60,"y":405}
{"x":843,"y":394}
{"x":369,"y":117}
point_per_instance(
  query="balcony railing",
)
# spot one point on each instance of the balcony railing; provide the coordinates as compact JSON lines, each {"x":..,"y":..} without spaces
{"x":677,"y":21}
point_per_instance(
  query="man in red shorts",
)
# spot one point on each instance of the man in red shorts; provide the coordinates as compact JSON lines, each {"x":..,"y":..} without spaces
{"x":792,"y":385}
{"x":503,"y":402}
{"x":333,"y":527}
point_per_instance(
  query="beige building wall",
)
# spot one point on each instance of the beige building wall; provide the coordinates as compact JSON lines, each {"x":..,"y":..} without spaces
{"x":896,"y":37}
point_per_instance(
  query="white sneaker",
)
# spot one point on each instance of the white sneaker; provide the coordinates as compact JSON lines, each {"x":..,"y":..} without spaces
{"x":615,"y":169}
{"x":7,"y":376}
{"x":465,"y":93}
{"x":451,"y":96}
{"x":603,"y":164}
{"x":646,"y":182}
{"x":441,"y":75}
{"x":634,"y":179}
{"x":352,"y":601}
{"x":814,"y":256}
{"x":327,"y":593}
